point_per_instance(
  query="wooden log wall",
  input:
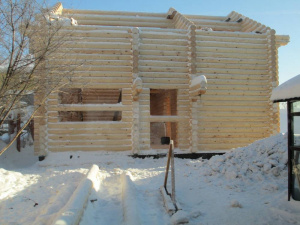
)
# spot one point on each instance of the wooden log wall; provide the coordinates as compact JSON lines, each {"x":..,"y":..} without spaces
{"x":123,"y":50}
{"x":235,"y":110}
{"x":107,"y":57}
{"x":163,"y":64}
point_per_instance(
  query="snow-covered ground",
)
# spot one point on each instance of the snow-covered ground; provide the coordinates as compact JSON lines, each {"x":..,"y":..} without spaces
{"x":245,"y":186}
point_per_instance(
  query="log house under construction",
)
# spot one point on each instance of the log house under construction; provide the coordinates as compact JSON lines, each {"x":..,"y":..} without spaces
{"x":142,"y":80}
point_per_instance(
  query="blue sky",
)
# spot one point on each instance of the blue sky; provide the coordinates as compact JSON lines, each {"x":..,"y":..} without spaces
{"x":281,"y":15}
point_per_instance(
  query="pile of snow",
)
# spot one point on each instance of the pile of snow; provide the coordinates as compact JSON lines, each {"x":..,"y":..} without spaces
{"x":262,"y":160}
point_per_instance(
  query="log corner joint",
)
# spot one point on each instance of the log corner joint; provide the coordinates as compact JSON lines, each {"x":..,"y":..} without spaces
{"x":171,"y":13}
{"x":137,"y":88}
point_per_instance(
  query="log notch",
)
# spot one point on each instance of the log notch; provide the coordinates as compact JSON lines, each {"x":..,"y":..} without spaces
{"x":273,"y":76}
{"x":193,"y":99}
{"x":136,"y":90}
{"x":247,"y":24}
{"x":180,"y":21}
{"x":41,"y":116}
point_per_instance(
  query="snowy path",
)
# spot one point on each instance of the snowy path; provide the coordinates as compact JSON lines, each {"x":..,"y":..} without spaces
{"x":105,"y":205}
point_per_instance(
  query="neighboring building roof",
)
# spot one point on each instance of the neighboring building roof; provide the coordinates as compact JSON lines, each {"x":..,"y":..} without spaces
{"x":287,"y":91}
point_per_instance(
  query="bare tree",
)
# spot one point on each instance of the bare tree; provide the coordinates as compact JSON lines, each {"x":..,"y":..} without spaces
{"x":29,"y":38}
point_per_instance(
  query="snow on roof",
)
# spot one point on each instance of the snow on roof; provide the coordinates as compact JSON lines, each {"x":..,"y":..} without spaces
{"x":288,"y":90}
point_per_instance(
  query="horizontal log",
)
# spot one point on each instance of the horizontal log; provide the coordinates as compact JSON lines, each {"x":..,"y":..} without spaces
{"x":213,"y":54}
{"x":241,"y":124}
{"x":244,"y":87}
{"x":231,"y":45}
{"x":165,"y":86}
{"x":137,"y":23}
{"x":238,"y":141}
{"x":201,"y":49}
{"x":238,"y":93}
{"x":97,"y":45}
{"x":163,"y":69}
{"x":231,"y":34}
{"x":205,"y":103}
{"x":163,"y":58}
{"x":163,"y":35}
{"x":205,"y":17}
{"x":233,"y":130}
{"x":220,"y":77}
{"x":92,"y":80}
{"x":99,"y":68}
{"x":162,"y":63}
{"x":98,"y":85}
{"x":112,"y":39}
{"x":253,"y":40}
{"x":164,"y":75}
{"x":163,"y":53}
{"x":90,"y":131}
{"x":90,"y":125}
{"x":173,"y":80}
{"x":231,"y":71}
{"x":149,"y":30}
{"x":163,"y":47}
{"x":99,"y":74}
{"x":90,"y":143}
{"x":92,"y":57}
{"x":230,"y":118}
{"x":89,"y":107}
{"x":71,"y":12}
{"x":117,"y":17}
{"x":232,"y":66}
{"x":235,"y":114}
{"x":237,"y":81}
{"x":84,"y":136}
{"x":240,"y":61}
{"x":90,"y":148}
{"x":219,"y":147}
{"x":105,"y":32}
{"x":90,"y":62}
{"x":221,"y":97}
{"x":213,"y":135}
{"x":94,"y":51}
{"x":177,"y":42}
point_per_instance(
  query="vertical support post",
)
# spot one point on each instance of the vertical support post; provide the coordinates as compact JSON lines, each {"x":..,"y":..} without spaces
{"x":290,"y":141}
{"x":172,"y":172}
